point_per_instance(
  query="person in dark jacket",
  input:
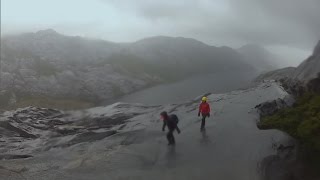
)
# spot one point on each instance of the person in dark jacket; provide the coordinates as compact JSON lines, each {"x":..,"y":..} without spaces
{"x":170,"y":121}
{"x":204,"y":110}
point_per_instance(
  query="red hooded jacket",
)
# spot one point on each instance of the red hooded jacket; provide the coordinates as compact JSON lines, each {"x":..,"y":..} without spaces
{"x":204,"y":108}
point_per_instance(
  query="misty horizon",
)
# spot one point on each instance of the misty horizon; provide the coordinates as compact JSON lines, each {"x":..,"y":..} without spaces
{"x":278,"y":51}
{"x":289,"y":28}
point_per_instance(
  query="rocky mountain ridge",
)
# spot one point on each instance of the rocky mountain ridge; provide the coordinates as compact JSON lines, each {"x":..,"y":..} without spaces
{"x":310,"y":68}
{"x":48,"y":64}
{"x":305,"y":72}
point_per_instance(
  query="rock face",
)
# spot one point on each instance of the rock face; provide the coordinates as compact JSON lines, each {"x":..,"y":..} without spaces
{"x":317,"y":49}
{"x":271,"y":107}
{"x":47,"y":63}
{"x":310,"y":68}
{"x":314,"y":85}
{"x":124,"y":141}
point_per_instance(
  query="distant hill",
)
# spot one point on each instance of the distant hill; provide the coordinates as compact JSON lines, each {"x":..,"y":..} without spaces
{"x":306,"y":71}
{"x":50,"y":45}
{"x":49,"y":64}
{"x":259,"y":57}
{"x":188,"y":55}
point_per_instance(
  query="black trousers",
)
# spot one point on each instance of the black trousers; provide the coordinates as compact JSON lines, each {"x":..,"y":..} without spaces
{"x":203,"y":121}
{"x":170,"y":137}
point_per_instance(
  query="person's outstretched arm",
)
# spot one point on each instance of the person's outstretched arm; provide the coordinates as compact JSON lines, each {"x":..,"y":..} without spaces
{"x":177,"y":128}
{"x":164,"y":125}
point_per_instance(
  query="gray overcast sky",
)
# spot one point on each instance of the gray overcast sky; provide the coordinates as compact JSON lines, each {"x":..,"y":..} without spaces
{"x":287,"y":27}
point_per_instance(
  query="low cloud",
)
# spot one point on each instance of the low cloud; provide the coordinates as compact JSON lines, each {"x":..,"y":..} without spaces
{"x":273,"y":23}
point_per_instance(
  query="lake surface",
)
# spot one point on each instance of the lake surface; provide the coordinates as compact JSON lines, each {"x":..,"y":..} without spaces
{"x":188,"y":89}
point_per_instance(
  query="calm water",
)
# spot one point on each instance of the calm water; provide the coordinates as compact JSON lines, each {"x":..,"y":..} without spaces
{"x":188,"y":89}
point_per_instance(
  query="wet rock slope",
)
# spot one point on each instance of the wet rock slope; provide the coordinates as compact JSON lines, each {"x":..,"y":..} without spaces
{"x":125,"y":141}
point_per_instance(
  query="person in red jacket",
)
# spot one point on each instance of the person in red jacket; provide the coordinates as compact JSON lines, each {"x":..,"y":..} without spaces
{"x":204,"y":110}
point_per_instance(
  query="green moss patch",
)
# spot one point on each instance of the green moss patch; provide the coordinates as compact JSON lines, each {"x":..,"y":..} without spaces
{"x":302,"y":121}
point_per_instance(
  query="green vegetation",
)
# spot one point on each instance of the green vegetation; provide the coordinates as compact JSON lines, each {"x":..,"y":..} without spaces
{"x":302,"y":121}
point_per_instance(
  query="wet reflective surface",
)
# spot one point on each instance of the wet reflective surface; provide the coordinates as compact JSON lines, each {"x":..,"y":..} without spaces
{"x":231,"y":148}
